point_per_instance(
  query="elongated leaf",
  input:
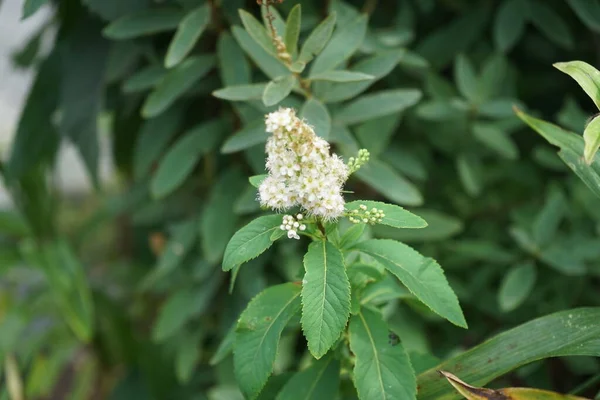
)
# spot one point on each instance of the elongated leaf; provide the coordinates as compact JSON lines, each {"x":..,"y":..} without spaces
{"x":590,"y":176}
{"x":319,"y":381}
{"x":189,"y":30}
{"x":591,"y":139}
{"x":181,"y":158}
{"x":110,"y":10}
{"x":554,"y":134}
{"x":250,"y":241}
{"x":251,"y":135}
{"x":270,"y":65}
{"x":566,"y":333}
{"x":233,"y":65}
{"x":440,"y":227}
{"x":510,"y":23}
{"x":389,"y":183}
{"x":588,"y":12}
{"x":550,"y":24}
{"x":176,"y":83}
{"x":475,"y":393}
{"x":382,"y":369}
{"x":278,"y":89}
{"x":241,"y":92}
{"x":422,"y":276}
{"x":325,"y":297}
{"x":469,"y":174}
{"x":547,"y":221}
{"x":587,"y":76}
{"x":292,"y":30}
{"x":341,"y":46}
{"x":377,"y":105}
{"x":173,"y":314}
{"x":318,"y":39}
{"x":466,"y":78}
{"x":145,"y":79}
{"x":257,"y":335}
{"x":341,"y":76}
{"x":258,"y":32}
{"x":496,"y":140}
{"x":395,"y":216}
{"x":516,"y":286}
{"x":317,"y":116}
{"x":144,"y":23}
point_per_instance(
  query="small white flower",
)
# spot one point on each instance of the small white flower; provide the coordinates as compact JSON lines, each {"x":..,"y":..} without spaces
{"x":292,"y":234}
{"x":302,"y":227}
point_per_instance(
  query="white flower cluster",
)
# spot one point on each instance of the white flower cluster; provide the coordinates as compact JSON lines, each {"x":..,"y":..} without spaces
{"x":292,"y":225}
{"x":301,"y":170}
{"x":363,"y":215}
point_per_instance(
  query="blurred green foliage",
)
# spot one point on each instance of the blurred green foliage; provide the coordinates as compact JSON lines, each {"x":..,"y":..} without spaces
{"x":122,"y":296}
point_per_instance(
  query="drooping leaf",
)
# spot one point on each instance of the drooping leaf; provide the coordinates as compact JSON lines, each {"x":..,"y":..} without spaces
{"x":189,"y":30}
{"x":395,"y":216}
{"x":250,"y":241}
{"x":258,"y":332}
{"x":278,"y":89}
{"x":377,"y":104}
{"x":292,"y":30}
{"x":325,"y":297}
{"x":566,"y":333}
{"x":421,"y":275}
{"x":587,"y":76}
{"x":317,"y":116}
{"x":143,"y":23}
{"x":319,"y":381}
{"x":516,"y":286}
{"x":317,"y":40}
{"x":382,"y":369}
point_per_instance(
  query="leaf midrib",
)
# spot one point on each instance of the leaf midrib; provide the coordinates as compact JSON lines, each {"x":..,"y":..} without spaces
{"x":375,"y":354}
{"x":250,"y":240}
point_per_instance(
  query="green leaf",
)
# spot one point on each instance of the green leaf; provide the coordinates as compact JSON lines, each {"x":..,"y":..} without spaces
{"x":591,"y":138}
{"x":422,"y":276}
{"x":241,"y":92}
{"x":257,"y":31}
{"x":554,"y":134}
{"x":440,"y":227}
{"x":377,"y":105}
{"x":466,"y":78}
{"x":256,"y":180}
{"x":588,"y":12}
{"x":389,"y":183}
{"x":318,"y":39}
{"x":325,"y":297}
{"x":548,"y":219}
{"x":252,"y":134}
{"x":147,"y":22}
{"x":317,"y":116}
{"x":112,"y":9}
{"x":174,"y":314}
{"x":154,"y":136}
{"x":189,"y":30}
{"x":250,"y":241}
{"x":509,"y":24}
{"x":218,"y":220}
{"x":342,"y":45}
{"x":181,"y":158}
{"x":225,"y":347}
{"x":590,"y":176}
{"x":31,"y":6}
{"x":188,"y":354}
{"x":382,"y":369}
{"x":566,"y":333}
{"x":292,"y":30}
{"x":178,"y":81}
{"x":496,"y":140}
{"x":319,"y":381}
{"x":341,"y":76}
{"x":586,"y":75}
{"x":233,"y":65}
{"x":378,"y":66}
{"x":516,"y":285}
{"x":469,"y":174}
{"x":395,"y":216}
{"x":144,"y":79}
{"x":270,"y":65}
{"x":550,"y":24}
{"x":278,"y":89}
{"x":376,"y":134}
{"x":257,"y":335}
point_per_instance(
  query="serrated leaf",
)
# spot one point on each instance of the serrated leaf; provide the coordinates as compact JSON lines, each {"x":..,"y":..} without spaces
{"x":395,"y":216}
{"x":495,"y":139}
{"x":341,"y":76}
{"x":516,"y":286}
{"x":257,"y":31}
{"x":181,"y":158}
{"x":189,"y":30}
{"x":588,"y":12}
{"x":377,"y":105}
{"x":251,"y":135}
{"x":270,"y":65}
{"x":179,"y":80}
{"x":422,"y":276}
{"x":144,"y":79}
{"x":591,"y":139}
{"x":342,"y":45}
{"x":382,"y":369}
{"x":292,"y":30}
{"x":550,"y":24}
{"x":509,"y":24}
{"x":250,"y":241}
{"x":318,"y":39}
{"x":319,"y":381}
{"x":233,"y":65}
{"x":241,"y":92}
{"x":325,"y":297}
{"x":278,"y":89}
{"x":566,"y":333}
{"x":389,"y":183}
{"x":257,"y":335}
{"x":143,"y":23}
{"x":317,"y":116}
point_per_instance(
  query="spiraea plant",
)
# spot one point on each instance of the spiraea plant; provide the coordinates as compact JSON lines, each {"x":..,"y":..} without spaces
{"x":337,"y":295}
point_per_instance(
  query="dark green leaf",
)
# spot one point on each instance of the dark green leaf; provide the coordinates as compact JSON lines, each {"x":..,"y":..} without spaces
{"x":319,"y":381}
{"x":241,"y":92}
{"x":144,"y":23}
{"x":145,"y":79}
{"x":550,"y":24}
{"x":292,"y":30}
{"x":278,"y":89}
{"x":389,"y":183}
{"x":252,"y":134}
{"x":510,"y":23}
{"x":588,"y":12}
{"x":516,"y":286}
{"x":189,"y":30}
{"x":377,"y":104}
{"x":317,"y":116}
{"x":318,"y":39}
{"x":233,"y":66}
{"x":250,"y":241}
